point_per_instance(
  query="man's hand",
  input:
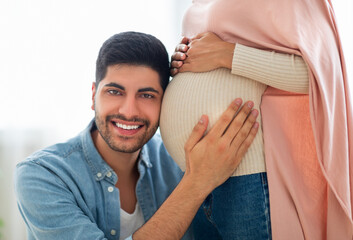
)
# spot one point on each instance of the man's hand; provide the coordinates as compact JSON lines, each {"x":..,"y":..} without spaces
{"x":211,"y":159}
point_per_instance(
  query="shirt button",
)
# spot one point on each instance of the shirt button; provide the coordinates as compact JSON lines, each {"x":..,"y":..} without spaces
{"x":113,"y":232}
{"x":99,"y":175}
{"x":110,"y":189}
{"x":109,"y":174}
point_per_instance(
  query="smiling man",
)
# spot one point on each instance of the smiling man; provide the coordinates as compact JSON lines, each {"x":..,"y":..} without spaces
{"x":115,"y":180}
{"x":137,"y":93}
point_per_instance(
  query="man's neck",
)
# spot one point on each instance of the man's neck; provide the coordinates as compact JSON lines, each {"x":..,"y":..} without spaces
{"x":124,"y":164}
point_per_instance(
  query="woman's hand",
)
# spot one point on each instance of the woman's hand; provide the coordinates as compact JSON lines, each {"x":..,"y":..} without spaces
{"x":203,"y":53}
{"x":179,"y":56}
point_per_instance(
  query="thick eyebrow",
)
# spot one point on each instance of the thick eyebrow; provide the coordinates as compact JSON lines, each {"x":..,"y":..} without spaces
{"x":114,"y":85}
{"x":147,"y":89}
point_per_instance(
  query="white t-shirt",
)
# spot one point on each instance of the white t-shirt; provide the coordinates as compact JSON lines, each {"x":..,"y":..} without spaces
{"x":129,"y":223}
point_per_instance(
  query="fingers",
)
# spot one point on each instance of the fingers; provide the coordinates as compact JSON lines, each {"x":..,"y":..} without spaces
{"x":196,"y":134}
{"x":241,"y":121}
{"x":178,"y":58}
{"x":244,"y":131}
{"x":176,"y":64}
{"x":184,"y":40}
{"x":181,"y":48}
{"x":173,"y":71}
{"x":226,"y":118}
{"x":242,"y":148}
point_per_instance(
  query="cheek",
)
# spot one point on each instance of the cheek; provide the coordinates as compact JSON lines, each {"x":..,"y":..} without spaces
{"x":153,"y":111}
{"x":104,"y":107}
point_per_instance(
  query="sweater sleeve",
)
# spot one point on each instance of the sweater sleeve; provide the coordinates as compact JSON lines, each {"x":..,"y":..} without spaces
{"x":279,"y":70}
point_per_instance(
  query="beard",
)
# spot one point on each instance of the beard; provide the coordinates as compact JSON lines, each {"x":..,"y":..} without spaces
{"x":119,"y":143}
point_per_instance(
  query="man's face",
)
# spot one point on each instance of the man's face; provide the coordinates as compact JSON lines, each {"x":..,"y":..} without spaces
{"x":127,"y":104}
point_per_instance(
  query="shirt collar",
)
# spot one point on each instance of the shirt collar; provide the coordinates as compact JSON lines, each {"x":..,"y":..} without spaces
{"x":144,"y":157}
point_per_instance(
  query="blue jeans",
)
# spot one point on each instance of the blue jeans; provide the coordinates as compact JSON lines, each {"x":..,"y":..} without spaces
{"x":238,"y":209}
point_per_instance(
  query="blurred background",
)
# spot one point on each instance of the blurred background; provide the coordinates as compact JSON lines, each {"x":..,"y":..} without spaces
{"x":48,"y":50}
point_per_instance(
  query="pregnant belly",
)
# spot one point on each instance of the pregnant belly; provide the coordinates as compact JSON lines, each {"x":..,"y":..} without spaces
{"x":189,"y":95}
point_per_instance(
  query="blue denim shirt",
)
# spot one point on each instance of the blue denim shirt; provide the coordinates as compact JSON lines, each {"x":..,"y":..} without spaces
{"x":67,"y":191}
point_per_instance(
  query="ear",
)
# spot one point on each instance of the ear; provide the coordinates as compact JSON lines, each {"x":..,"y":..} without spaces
{"x":94,"y":89}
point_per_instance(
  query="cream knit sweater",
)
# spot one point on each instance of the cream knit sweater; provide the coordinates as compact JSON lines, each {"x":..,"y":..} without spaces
{"x":189,"y":95}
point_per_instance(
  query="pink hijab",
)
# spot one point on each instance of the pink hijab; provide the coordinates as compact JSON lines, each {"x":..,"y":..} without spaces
{"x":308,"y":138}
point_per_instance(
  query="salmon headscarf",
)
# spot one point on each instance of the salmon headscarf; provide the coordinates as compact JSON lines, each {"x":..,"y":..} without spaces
{"x":308,"y":138}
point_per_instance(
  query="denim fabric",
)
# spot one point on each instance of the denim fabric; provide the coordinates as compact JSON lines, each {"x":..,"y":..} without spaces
{"x":67,"y":191}
{"x":238,"y":209}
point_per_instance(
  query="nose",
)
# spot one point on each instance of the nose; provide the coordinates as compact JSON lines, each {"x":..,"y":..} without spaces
{"x":129,"y":107}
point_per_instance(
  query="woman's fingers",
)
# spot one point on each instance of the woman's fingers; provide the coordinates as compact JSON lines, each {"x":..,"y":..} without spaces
{"x":185,"y":40}
{"x":178,"y":58}
{"x":173,"y":71}
{"x":176,"y":64}
{"x":181,"y":48}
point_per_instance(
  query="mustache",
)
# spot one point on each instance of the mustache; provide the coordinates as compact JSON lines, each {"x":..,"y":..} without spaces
{"x":122,"y":117}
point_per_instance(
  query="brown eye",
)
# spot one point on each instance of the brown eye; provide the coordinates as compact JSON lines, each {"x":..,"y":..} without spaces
{"x":146,"y":95}
{"x":114,"y":92}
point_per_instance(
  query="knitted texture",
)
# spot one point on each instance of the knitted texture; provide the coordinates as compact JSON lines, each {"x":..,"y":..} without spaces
{"x":189,"y":95}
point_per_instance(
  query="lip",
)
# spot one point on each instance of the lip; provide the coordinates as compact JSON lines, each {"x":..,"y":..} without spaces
{"x":127,"y":132}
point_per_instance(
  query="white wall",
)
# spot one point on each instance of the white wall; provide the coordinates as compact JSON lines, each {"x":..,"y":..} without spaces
{"x":50,"y":48}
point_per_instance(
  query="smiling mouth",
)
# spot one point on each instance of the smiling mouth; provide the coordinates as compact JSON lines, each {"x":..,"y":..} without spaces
{"x":127,"y":127}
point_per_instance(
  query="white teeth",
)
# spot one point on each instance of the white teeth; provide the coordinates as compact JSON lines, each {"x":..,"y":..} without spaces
{"x":126,"y":127}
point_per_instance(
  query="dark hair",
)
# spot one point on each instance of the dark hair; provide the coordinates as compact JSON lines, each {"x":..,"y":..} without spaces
{"x":133,"y":48}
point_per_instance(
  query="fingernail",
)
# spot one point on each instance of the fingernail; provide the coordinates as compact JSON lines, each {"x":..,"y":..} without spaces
{"x":255,"y":113}
{"x":250,"y":104}
{"x":182,"y":54}
{"x":201,"y":121}
{"x":238,"y":101}
{"x":256,"y":125}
